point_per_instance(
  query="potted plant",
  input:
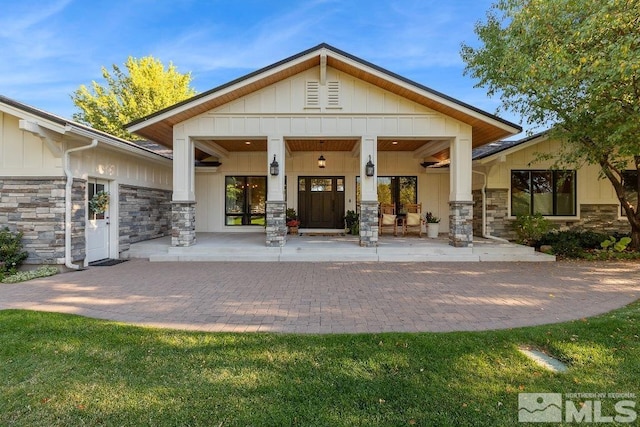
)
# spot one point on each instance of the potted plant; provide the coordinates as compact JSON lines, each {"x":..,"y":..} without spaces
{"x":292,"y":220}
{"x":433,"y":225}
{"x":351,"y":222}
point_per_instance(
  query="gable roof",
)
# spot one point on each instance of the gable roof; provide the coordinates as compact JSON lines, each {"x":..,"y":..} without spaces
{"x":64,"y":126}
{"x":486,"y":127}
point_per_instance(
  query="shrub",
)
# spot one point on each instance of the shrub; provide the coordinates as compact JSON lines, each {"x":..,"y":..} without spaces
{"x":22,"y":276}
{"x":352,"y":222}
{"x":573,"y":243}
{"x":291,"y":214}
{"x":616,"y":245}
{"x":531,"y":228}
{"x":11,"y":254}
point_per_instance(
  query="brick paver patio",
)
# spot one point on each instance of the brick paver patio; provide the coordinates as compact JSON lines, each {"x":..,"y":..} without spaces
{"x":333,"y":297}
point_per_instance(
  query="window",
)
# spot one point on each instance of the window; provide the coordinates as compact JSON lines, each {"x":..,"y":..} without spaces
{"x":245,"y":200}
{"x":93,"y":188}
{"x":630,"y":184}
{"x":394,"y":189}
{"x":544,"y":192}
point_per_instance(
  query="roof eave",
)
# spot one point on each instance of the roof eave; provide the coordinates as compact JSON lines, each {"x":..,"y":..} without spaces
{"x":507,"y":128}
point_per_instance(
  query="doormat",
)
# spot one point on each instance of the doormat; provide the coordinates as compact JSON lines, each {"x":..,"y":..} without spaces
{"x":321,"y":232}
{"x":106,"y":262}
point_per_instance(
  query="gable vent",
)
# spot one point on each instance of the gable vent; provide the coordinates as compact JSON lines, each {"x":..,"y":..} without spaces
{"x":313,"y":93}
{"x":333,"y":93}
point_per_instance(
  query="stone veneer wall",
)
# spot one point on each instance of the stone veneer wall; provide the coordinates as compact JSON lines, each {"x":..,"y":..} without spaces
{"x":600,"y":218}
{"x":461,"y":224}
{"x":369,"y":224}
{"x":498,"y":222}
{"x":36,"y":207}
{"x":183,"y":224}
{"x":144,"y":213}
{"x":276,"y":229}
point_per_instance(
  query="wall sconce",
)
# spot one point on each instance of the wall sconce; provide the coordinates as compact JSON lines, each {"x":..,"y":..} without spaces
{"x":370,"y":168}
{"x":427,"y":164}
{"x":274,"y":169}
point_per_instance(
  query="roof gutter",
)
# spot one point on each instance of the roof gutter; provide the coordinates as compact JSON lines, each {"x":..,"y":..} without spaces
{"x":68,"y":202}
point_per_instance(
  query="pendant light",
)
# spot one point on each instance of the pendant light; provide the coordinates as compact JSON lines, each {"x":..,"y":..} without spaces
{"x":322,"y":162}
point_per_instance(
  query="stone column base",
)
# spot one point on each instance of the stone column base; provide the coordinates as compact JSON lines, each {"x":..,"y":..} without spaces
{"x":183,"y":224}
{"x":369,"y":223}
{"x":461,"y":224}
{"x":276,"y":223}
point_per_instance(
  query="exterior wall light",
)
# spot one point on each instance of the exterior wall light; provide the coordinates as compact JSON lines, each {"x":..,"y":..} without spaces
{"x":274,"y":169}
{"x":370,"y":168}
{"x":322,"y":162}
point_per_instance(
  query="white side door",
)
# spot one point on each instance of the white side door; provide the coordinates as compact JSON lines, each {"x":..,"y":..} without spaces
{"x":97,"y":230}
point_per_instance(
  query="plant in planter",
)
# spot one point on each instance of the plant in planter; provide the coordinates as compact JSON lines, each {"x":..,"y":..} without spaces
{"x":352,"y":222}
{"x":433,"y":225}
{"x":292,"y":220}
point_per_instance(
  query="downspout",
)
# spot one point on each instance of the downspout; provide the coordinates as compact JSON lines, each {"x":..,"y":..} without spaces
{"x":67,"y":202}
{"x":484,"y":210}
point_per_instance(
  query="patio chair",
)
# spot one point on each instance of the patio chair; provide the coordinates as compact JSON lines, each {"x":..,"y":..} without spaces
{"x":413,"y":221}
{"x":388,"y":218}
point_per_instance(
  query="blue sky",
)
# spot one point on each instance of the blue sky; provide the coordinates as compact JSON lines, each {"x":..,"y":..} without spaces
{"x":49,"y":48}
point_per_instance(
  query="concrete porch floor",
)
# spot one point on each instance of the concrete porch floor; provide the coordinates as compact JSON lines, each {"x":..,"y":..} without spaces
{"x":251,"y":247}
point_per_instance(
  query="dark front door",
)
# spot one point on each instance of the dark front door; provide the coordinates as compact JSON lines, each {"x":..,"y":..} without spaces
{"x":321,"y":201}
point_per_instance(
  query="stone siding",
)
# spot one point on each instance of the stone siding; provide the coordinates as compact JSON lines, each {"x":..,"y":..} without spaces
{"x":144,"y":213}
{"x":498,"y":222}
{"x":369,"y":224}
{"x":36,"y":207}
{"x":461,"y":224}
{"x":276,"y":224}
{"x":183,"y":224}
{"x":600,"y":218}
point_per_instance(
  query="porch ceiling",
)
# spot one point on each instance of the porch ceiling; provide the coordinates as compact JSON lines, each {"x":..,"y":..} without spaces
{"x":298,"y":145}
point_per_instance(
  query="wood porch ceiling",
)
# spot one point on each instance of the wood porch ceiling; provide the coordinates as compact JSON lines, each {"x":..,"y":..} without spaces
{"x":300,"y":145}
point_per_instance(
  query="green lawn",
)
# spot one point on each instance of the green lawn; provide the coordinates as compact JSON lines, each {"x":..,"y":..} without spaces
{"x":66,"y":370}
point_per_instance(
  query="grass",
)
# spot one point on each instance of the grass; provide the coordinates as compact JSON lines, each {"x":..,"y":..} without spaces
{"x":58,"y":369}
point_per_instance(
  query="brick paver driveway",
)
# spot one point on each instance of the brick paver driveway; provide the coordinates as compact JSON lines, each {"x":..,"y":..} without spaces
{"x":333,"y":297}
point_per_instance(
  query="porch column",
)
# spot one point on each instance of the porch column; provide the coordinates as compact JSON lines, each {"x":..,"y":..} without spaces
{"x":183,"y":204}
{"x":276,"y":206}
{"x":460,"y":198}
{"x":369,"y":193}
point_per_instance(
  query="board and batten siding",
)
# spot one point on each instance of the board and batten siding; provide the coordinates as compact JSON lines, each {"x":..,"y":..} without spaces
{"x":590,"y":189}
{"x":22,"y":153}
{"x":280,"y":109}
{"x":433,"y":185}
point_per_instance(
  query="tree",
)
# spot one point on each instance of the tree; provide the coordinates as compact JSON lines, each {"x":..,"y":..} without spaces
{"x":145,"y":88}
{"x":573,"y":65}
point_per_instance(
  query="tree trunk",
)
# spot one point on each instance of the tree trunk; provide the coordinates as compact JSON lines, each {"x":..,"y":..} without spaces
{"x":635,"y":238}
{"x":633,"y":216}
